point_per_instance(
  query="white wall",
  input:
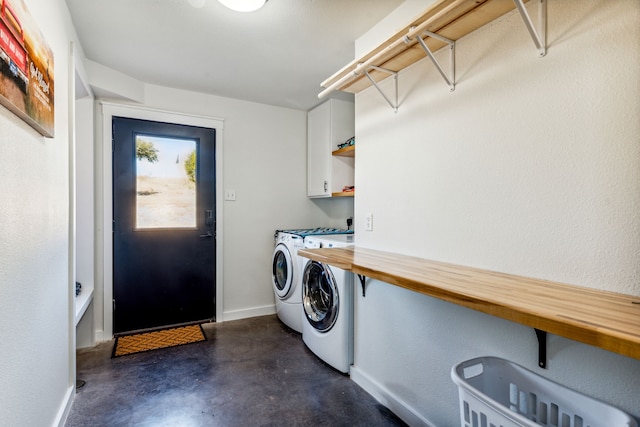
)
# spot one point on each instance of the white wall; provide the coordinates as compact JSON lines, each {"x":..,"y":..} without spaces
{"x":399,"y":18}
{"x":85,"y":210}
{"x":35,"y":293}
{"x":264,"y":161}
{"x":531,"y":166}
{"x":85,"y":214}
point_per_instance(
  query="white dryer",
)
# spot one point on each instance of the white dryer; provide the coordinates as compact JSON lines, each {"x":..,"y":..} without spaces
{"x":286,"y":271}
{"x":327,"y":302}
{"x":286,"y":279}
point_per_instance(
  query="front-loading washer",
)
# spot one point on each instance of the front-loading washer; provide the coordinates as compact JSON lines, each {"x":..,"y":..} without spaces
{"x":327,"y":302}
{"x":286,"y":279}
{"x":286,"y":271}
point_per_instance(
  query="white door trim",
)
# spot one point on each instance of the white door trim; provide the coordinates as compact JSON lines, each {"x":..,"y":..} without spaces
{"x":109,"y":110}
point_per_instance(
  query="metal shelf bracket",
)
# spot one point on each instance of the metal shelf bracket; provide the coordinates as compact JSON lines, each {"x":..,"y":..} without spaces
{"x":539,"y":35}
{"x":393,"y":105}
{"x":542,"y":348}
{"x":363,"y":280}
{"x":451,"y":78}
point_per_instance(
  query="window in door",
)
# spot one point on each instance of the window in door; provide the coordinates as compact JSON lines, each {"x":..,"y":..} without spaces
{"x":165,"y":182}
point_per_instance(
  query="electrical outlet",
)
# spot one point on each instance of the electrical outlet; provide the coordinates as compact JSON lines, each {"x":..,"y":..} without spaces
{"x":368,"y":225}
{"x":230,"y":195}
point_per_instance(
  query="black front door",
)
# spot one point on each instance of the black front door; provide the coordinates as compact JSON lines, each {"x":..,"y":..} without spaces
{"x":164,"y":251}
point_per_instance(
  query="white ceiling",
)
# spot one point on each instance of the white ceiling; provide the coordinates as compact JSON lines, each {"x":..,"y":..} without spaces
{"x":277,"y":55}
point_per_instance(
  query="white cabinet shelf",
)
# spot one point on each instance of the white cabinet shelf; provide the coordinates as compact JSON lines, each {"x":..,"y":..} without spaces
{"x":82,"y":302}
{"x":329,"y":124}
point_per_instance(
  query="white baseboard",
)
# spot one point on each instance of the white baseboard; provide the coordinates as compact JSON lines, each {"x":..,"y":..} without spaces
{"x":65,"y":408}
{"x":247,"y":312}
{"x":388,"y":399}
{"x":226,"y":316}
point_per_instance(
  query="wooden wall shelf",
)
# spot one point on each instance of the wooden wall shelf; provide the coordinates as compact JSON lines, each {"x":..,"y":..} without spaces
{"x":343,"y":194}
{"x":445,"y":20}
{"x":599,"y":318}
{"x":348,"y":151}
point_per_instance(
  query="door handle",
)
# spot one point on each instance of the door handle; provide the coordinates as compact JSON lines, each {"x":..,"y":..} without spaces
{"x":202,"y":236}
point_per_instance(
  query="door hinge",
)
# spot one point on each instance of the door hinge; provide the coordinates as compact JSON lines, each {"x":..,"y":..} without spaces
{"x":114,"y":304}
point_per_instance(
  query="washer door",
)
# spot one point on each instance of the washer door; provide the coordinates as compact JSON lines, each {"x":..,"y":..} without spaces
{"x":282,"y":271}
{"x":320,"y":297}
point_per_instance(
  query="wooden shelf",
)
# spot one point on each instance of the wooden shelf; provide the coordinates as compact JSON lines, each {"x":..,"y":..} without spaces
{"x":451,"y":19}
{"x":348,"y":151}
{"x":602,"y":319}
{"x":343,"y":194}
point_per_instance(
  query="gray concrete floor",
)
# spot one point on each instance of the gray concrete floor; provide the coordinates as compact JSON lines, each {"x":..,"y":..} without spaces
{"x":252,"y":372}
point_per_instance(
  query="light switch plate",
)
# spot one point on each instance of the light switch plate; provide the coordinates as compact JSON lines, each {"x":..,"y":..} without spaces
{"x":230,"y":195}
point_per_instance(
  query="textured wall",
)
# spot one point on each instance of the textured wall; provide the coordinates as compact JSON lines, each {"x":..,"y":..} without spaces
{"x":264,"y":161}
{"x":531,"y":166}
{"x":34,"y":247}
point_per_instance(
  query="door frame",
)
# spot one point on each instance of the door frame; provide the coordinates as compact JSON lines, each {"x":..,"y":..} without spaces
{"x":104,"y":261}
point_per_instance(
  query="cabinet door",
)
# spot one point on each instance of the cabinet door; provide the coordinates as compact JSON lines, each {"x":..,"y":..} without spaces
{"x":319,"y":151}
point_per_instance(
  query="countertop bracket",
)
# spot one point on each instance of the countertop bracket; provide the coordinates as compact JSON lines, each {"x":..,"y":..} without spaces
{"x":363,"y":280}
{"x":539,"y":35}
{"x":542,"y":348}
{"x":393,"y":105}
{"x":451,"y":78}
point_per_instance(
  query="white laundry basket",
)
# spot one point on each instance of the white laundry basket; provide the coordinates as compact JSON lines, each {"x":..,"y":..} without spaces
{"x":496,"y":392}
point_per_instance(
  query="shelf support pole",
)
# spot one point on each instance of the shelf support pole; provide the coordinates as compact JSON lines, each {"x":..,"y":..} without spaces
{"x":538,"y":35}
{"x":451,"y":78}
{"x":375,"y":84}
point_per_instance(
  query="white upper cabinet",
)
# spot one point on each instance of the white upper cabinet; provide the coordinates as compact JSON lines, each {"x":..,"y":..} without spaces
{"x":328,"y":125}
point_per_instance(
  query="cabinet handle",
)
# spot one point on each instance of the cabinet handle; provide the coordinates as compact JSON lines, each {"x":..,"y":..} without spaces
{"x":326,"y":185}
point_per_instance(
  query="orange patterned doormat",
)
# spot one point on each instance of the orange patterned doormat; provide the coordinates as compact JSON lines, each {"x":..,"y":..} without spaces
{"x":146,"y":341}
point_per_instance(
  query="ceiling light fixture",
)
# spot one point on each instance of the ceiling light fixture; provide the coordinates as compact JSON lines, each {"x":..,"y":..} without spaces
{"x":243,"y":5}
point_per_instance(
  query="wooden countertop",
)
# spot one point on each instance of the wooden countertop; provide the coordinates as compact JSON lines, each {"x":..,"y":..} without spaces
{"x":603,"y":319}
